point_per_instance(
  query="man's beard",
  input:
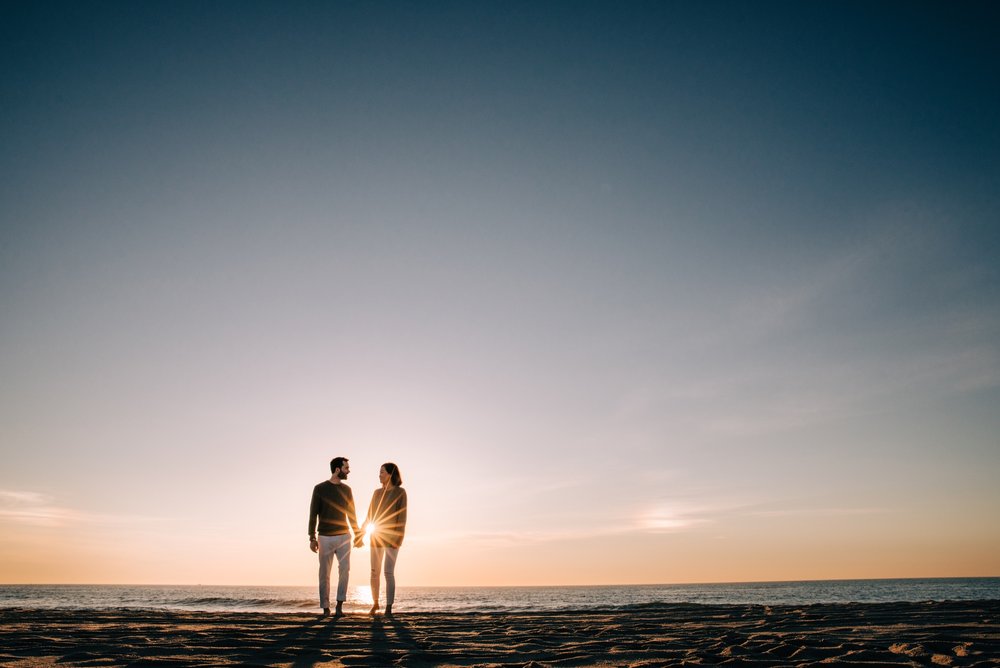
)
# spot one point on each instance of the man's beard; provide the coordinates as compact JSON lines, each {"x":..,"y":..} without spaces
{"x":342,"y":475}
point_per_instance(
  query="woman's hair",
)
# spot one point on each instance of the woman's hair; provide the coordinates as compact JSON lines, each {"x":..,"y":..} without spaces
{"x":393,"y":472}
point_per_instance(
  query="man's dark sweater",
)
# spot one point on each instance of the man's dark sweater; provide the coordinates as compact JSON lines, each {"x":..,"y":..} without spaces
{"x":334,"y":506}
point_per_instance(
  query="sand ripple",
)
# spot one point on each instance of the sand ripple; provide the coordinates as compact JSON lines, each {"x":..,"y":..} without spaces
{"x":899,"y":634}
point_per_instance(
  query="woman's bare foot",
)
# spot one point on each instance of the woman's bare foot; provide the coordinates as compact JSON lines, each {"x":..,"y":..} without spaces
{"x":373,"y":611}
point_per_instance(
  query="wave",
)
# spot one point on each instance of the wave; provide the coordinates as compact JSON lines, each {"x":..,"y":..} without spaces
{"x":301,"y":599}
{"x":233,"y":602}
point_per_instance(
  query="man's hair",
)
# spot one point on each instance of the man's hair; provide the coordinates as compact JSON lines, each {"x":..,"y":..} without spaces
{"x":394,"y":474}
{"x":337,"y":463}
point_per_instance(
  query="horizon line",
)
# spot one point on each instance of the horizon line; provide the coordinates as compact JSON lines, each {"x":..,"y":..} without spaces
{"x":512,"y":586}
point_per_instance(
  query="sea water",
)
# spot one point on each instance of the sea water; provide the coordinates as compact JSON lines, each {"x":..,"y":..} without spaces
{"x":484,"y":599}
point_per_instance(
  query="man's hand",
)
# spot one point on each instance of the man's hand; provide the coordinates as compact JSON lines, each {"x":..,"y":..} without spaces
{"x":314,"y":544}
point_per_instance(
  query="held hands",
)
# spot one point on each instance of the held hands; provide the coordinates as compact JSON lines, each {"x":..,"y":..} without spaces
{"x":359,"y":538}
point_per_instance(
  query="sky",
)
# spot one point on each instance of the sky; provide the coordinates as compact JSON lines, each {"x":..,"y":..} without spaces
{"x":643,"y":292}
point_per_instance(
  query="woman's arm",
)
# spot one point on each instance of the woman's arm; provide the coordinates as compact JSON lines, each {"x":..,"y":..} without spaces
{"x":401,"y":516}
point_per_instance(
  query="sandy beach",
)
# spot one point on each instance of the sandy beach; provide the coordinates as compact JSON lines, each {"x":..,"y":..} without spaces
{"x":909,"y":634}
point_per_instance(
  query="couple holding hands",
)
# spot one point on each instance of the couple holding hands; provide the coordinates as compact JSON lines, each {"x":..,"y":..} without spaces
{"x":332,"y":516}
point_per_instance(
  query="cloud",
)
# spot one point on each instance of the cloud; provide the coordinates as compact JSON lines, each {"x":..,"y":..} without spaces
{"x":531,"y":484}
{"x":896,"y":318}
{"x":41,"y":510}
{"x":514,"y":538}
{"x":533,"y":537}
{"x":17,"y":497}
{"x":664,"y":517}
{"x":676,"y":515}
{"x":670,"y":523}
{"x":788,"y":398}
{"x":818,"y":512}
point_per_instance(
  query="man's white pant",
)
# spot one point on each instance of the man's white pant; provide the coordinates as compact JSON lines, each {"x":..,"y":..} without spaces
{"x":391,"y":554}
{"x":328,"y":547}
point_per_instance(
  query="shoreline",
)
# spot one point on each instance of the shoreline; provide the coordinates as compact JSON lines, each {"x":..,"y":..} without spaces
{"x":949,"y":633}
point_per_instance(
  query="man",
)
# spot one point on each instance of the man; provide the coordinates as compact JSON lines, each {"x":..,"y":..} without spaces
{"x":333,"y":505}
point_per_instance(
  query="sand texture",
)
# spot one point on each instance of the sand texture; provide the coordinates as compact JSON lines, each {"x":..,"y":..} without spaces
{"x":907,"y":634}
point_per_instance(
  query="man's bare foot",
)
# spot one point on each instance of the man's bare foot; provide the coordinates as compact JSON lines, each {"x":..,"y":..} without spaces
{"x":326,"y":612}
{"x":340,"y":609}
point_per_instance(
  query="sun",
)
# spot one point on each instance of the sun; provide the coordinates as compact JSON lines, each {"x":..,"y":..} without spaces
{"x":369,"y":532}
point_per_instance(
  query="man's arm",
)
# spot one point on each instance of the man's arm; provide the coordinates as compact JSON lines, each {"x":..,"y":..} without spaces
{"x":314,"y":506}
{"x":352,"y":516}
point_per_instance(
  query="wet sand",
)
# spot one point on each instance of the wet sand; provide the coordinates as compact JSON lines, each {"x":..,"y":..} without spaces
{"x":907,"y":634}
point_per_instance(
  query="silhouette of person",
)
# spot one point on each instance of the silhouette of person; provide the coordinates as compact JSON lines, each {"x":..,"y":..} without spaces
{"x":332,"y":508}
{"x":387,"y":516}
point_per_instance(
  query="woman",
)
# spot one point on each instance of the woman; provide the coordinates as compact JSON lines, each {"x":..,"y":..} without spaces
{"x":387,"y":519}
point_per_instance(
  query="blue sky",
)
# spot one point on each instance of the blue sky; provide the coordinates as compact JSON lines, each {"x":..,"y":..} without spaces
{"x":692,"y":280}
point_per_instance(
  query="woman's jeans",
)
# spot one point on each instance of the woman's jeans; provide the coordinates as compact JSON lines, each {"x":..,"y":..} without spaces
{"x":390,"y":554}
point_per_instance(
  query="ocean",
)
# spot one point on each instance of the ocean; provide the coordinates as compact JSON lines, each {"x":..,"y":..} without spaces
{"x":472,"y":599}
